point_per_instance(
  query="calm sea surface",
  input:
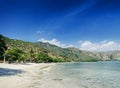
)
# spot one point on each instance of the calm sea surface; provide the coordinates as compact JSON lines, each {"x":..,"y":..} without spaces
{"x":88,"y":74}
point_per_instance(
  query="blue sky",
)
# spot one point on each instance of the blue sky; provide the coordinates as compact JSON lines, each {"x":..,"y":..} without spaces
{"x":64,"y":22}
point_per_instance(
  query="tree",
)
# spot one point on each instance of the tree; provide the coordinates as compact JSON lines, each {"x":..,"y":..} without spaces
{"x":14,"y":55}
{"x":43,"y":58}
{"x":22,"y":58}
{"x":31,"y":53}
{"x":3,"y":47}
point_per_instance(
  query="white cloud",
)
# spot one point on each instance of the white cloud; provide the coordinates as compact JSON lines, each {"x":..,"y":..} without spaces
{"x":87,"y":45}
{"x":101,"y":46}
{"x":54,"y":42}
{"x":70,"y":45}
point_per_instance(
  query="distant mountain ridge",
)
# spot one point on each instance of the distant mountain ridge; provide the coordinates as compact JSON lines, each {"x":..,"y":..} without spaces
{"x":79,"y":55}
{"x":67,"y":54}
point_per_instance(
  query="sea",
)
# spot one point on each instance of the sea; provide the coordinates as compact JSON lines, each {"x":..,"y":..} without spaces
{"x":103,"y":74}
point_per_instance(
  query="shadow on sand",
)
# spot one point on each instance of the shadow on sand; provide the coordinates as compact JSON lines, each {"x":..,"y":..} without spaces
{"x":9,"y":72}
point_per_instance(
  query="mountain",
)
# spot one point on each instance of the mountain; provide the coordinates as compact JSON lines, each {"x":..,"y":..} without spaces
{"x":70,"y":54}
{"x":74,"y":54}
{"x":110,"y":55}
{"x":62,"y":54}
{"x":27,"y":46}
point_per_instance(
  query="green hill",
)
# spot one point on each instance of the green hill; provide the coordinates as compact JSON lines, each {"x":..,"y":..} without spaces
{"x":70,"y":54}
{"x":57,"y":54}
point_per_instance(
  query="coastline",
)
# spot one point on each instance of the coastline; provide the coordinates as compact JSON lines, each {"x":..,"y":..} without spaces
{"x":23,"y":76}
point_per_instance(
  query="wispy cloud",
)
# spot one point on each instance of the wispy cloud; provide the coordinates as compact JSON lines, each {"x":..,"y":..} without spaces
{"x":42,"y":32}
{"x":39,"y":32}
{"x":101,"y":46}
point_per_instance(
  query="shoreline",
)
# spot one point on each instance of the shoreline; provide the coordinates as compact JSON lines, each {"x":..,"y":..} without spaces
{"x":23,"y":75}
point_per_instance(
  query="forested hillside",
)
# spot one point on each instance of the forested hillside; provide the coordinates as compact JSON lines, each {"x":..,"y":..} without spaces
{"x":70,"y":54}
{"x":19,"y":50}
{"x":14,"y":50}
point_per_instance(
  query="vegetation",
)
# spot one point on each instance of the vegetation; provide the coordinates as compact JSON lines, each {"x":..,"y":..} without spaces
{"x":17,"y":51}
{"x":3,"y":47}
{"x":69,"y":54}
{"x":14,"y":55}
{"x":43,"y":58}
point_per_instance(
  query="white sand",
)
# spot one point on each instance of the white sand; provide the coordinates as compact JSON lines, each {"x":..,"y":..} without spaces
{"x":33,"y":75}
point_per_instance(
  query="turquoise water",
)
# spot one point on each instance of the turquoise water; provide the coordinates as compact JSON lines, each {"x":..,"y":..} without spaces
{"x":88,"y":74}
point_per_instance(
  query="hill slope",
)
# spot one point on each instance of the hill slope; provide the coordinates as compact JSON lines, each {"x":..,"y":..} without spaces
{"x":70,"y":54}
{"x":66,"y":54}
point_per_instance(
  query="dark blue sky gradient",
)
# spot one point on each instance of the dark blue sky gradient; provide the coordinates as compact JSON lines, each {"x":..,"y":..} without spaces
{"x":66,"y":20}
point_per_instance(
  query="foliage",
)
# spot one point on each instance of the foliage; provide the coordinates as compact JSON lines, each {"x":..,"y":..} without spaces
{"x":90,"y":60}
{"x":31,"y":54}
{"x":58,"y":60}
{"x":2,"y":46}
{"x":67,"y":54}
{"x":42,"y":52}
{"x":14,"y":55}
{"x":43,"y":58}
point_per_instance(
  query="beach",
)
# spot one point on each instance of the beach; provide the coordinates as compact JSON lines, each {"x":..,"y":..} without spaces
{"x":64,"y":75}
{"x":28,"y":75}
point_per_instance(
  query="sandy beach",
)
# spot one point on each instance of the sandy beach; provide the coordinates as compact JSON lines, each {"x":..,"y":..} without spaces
{"x":25,"y":75}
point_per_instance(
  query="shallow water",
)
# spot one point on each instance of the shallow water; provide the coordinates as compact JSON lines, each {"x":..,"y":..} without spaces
{"x":88,"y":74}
